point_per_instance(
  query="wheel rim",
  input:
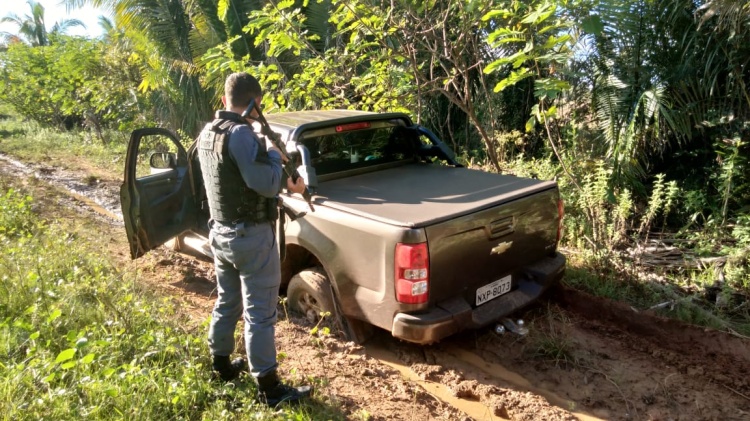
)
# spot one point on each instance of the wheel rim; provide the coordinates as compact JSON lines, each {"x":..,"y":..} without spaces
{"x":310,"y":307}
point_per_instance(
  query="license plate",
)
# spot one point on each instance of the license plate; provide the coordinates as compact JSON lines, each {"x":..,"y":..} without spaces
{"x":495,"y":289}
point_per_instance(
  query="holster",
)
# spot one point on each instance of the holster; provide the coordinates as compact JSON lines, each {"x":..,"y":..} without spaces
{"x":280,"y":228}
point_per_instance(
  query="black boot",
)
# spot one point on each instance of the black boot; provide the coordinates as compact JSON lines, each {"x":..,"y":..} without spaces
{"x":229,"y":370}
{"x":273,"y":392}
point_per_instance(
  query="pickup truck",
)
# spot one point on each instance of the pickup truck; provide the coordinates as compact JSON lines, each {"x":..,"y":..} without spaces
{"x":399,"y":236}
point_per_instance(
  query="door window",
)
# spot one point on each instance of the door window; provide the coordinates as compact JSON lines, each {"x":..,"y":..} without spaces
{"x":157,"y":154}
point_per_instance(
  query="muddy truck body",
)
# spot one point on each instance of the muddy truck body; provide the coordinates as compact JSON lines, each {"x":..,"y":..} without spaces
{"x":399,"y":235}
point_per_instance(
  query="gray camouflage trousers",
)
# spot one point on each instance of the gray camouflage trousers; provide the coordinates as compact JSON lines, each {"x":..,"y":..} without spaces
{"x":248,"y":275}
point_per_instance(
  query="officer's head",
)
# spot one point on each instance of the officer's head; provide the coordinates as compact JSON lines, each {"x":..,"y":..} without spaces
{"x":239,"y":89}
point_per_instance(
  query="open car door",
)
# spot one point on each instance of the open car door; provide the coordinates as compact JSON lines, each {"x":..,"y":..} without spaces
{"x":156,"y":194}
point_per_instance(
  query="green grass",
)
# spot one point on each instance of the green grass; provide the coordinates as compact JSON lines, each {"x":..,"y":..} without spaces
{"x":76,"y":149}
{"x":681,"y":295}
{"x":606,"y":281}
{"x":80,"y":340}
{"x":549,"y":340}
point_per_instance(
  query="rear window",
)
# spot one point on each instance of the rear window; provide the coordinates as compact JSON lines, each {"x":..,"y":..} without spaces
{"x":359,"y":145}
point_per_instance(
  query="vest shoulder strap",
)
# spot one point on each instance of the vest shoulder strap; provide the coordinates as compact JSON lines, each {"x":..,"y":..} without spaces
{"x":217,"y":135}
{"x":223,"y":126}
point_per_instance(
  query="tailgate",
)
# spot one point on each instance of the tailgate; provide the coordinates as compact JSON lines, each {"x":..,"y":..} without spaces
{"x":475,"y":250}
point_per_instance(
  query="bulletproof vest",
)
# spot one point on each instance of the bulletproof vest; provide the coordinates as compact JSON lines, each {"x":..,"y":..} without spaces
{"x":229,"y":198}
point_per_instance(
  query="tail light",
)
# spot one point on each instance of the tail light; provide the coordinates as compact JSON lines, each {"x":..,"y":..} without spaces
{"x":353,"y":126}
{"x":560,"y":213}
{"x":412,"y":264}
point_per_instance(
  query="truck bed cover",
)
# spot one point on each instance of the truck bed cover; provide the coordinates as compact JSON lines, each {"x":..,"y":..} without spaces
{"x":389,"y":195}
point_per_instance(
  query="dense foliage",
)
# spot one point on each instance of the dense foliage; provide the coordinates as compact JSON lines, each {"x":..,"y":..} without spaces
{"x":640,"y":108}
{"x":72,"y":82}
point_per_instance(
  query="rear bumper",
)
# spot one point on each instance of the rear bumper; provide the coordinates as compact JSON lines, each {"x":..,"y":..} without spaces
{"x":455,"y":314}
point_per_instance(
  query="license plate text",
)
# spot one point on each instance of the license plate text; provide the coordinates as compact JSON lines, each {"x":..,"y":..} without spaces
{"x":495,"y":289}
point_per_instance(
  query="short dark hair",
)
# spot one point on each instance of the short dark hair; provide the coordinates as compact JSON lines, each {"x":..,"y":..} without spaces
{"x":240,"y":88}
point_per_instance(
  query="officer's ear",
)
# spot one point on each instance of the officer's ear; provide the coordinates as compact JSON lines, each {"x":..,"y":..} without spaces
{"x":224,"y":100}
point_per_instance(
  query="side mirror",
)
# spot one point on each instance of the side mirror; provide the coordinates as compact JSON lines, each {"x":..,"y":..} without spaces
{"x":162,"y":161}
{"x":305,"y":169}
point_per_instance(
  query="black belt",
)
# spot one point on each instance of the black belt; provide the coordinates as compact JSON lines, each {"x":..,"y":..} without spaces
{"x":246,"y":221}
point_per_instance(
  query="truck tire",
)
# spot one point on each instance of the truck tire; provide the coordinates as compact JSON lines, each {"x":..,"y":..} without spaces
{"x":309,"y":294}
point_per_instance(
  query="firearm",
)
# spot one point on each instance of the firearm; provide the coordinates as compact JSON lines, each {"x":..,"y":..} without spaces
{"x":289,"y":166}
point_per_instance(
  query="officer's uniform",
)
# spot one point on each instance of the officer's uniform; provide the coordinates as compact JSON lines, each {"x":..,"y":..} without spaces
{"x":242,"y":181}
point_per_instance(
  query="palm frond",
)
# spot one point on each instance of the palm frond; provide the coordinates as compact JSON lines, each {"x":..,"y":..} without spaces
{"x":730,"y":15}
{"x":317,"y":14}
{"x":62,"y":26}
{"x":106,"y":24}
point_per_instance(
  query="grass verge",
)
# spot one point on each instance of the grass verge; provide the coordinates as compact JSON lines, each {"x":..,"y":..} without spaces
{"x":684,"y":296}
{"x":79,"y":339}
{"x":75,"y":150}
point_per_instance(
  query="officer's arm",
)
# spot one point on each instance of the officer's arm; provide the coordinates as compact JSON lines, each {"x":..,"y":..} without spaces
{"x":263,"y":177}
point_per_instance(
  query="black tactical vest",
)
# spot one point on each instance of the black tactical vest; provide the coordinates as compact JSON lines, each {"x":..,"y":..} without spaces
{"x":229,"y":198}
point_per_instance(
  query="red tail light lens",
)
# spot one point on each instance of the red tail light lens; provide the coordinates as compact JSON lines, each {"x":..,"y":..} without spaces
{"x":412,"y":264}
{"x":560,"y":213}
{"x":353,"y":126}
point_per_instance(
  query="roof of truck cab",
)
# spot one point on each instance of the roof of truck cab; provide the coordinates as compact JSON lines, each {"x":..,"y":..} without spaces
{"x":288,"y":122}
{"x":297,"y":118}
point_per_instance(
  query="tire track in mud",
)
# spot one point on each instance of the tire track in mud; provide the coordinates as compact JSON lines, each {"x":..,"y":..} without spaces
{"x":482,"y":390}
{"x":613,"y":363}
{"x":96,"y":195}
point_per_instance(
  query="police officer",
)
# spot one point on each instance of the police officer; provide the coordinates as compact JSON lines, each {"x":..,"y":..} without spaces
{"x":242,"y":177}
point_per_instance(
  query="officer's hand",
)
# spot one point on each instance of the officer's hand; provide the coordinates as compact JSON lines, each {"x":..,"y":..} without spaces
{"x":298,"y":187}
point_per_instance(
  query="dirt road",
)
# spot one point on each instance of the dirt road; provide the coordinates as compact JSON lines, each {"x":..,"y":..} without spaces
{"x":584,"y":358}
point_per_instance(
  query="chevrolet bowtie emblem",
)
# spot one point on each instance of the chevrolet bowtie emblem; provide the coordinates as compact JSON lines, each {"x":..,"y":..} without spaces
{"x":501,"y":248}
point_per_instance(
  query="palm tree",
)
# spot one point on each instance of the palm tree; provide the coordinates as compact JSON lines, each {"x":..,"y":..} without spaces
{"x":62,"y":26}
{"x":672,"y":75}
{"x":168,"y":36}
{"x":32,"y":27}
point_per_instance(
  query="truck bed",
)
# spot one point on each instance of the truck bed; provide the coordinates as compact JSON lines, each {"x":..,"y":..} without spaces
{"x":443,"y":193}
